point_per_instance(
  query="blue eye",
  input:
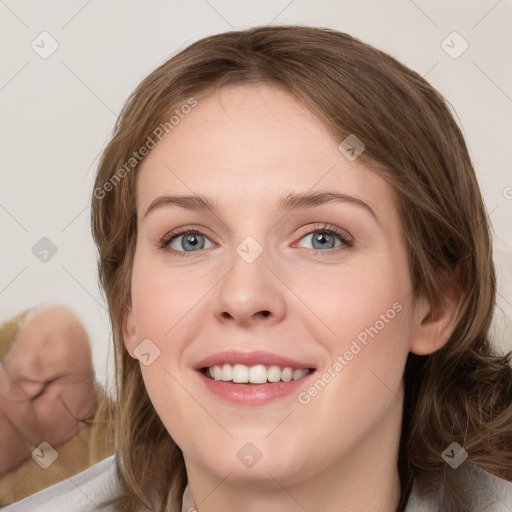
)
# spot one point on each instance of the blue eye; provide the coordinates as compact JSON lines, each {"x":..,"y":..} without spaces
{"x":323,"y":239}
{"x":326,"y":238}
{"x":191,"y":241}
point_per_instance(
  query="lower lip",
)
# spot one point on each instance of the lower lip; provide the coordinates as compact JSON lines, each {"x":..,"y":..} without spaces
{"x":252,"y":394}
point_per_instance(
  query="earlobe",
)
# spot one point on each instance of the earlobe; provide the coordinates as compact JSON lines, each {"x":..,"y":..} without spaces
{"x":129,"y":333}
{"x":434,"y":323}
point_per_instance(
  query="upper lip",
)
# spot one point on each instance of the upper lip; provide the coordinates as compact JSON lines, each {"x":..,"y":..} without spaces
{"x":250,"y":359}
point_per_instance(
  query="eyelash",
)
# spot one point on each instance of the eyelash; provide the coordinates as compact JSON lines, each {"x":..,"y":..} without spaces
{"x":318,"y":228}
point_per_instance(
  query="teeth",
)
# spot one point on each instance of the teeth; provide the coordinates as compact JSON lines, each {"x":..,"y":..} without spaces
{"x":227,"y":372}
{"x":240,"y":373}
{"x":274,"y":374}
{"x":258,"y":374}
{"x":287,"y":375}
{"x":217,"y":373}
{"x":298,"y":374}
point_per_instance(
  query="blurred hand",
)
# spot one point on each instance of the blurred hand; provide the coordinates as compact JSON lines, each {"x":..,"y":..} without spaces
{"x":46,"y":385}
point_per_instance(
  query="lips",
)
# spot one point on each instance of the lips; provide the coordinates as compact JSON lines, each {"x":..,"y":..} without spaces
{"x":252,"y":378}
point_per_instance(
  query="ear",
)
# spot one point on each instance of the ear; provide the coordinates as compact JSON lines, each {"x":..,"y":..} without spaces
{"x":434,"y":323}
{"x":129,"y":333}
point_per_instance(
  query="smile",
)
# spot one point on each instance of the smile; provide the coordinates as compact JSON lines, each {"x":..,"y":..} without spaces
{"x":252,"y":378}
{"x":256,"y":374}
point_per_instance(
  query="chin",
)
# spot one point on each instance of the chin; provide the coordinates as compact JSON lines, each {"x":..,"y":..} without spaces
{"x":254,"y":458}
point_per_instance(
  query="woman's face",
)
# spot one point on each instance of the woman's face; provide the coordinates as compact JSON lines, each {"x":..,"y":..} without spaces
{"x":262,"y":291}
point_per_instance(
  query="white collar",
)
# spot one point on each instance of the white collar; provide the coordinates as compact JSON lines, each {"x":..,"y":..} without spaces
{"x":480,"y":490}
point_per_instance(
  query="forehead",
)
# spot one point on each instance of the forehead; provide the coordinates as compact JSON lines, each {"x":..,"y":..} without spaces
{"x":253,"y":143}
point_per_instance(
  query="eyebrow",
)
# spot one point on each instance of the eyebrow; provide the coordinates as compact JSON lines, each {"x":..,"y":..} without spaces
{"x":291,"y":201}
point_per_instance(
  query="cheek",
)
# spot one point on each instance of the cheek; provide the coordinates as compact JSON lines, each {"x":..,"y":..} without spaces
{"x":167,"y":306}
{"x":372,"y":312}
{"x":365,"y":329}
{"x":365,"y":301}
{"x":164,"y":302}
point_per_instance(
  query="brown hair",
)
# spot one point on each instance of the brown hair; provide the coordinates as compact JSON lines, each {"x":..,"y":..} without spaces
{"x":463,"y":391}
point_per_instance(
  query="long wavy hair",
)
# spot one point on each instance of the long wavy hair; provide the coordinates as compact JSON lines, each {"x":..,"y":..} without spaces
{"x":463,"y":391}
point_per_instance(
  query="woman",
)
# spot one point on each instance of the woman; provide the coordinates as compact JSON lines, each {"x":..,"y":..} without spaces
{"x":326,"y":347}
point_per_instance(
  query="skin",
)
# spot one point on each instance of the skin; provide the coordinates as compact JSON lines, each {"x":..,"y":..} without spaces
{"x":46,"y":385}
{"x":244,"y":147}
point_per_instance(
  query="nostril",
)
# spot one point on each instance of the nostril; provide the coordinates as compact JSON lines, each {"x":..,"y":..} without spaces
{"x":265,"y":313}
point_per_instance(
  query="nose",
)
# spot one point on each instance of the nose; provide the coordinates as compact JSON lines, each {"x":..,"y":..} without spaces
{"x":250,"y":293}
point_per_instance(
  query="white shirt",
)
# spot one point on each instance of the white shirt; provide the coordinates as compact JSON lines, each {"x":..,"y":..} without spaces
{"x":87,"y":491}
{"x":90,"y":491}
